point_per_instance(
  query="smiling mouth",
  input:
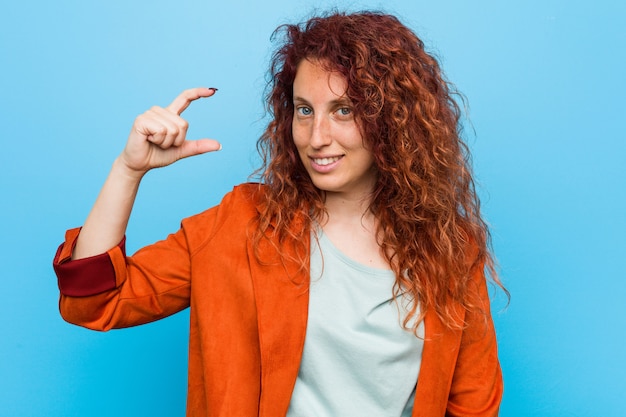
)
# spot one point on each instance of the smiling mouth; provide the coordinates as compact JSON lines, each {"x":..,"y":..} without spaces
{"x":326,"y":161}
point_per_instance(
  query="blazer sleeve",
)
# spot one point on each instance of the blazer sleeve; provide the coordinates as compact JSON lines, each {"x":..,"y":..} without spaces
{"x":112,"y":290}
{"x":477,"y":384}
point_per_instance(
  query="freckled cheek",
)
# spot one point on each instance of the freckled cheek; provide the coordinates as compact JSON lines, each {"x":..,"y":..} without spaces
{"x":299,"y":136}
{"x":352,"y":139}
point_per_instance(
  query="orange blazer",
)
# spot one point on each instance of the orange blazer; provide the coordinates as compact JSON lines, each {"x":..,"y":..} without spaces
{"x":249,"y":318}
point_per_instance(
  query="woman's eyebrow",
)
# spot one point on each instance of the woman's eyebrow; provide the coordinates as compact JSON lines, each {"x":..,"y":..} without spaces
{"x":342,"y":101}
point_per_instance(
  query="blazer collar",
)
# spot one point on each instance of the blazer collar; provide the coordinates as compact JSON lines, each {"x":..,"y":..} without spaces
{"x":441,"y":348}
{"x":281,"y":287}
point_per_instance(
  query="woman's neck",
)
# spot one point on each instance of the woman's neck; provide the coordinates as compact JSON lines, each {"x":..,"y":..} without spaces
{"x":352,"y":227}
{"x":347,"y":208}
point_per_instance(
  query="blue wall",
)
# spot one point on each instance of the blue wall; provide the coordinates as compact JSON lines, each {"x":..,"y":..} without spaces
{"x":545,"y":82}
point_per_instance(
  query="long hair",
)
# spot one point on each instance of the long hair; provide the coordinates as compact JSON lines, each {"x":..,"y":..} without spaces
{"x":429,"y":222}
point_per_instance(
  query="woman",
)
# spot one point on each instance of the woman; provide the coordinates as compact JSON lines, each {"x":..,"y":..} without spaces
{"x":351,"y":282}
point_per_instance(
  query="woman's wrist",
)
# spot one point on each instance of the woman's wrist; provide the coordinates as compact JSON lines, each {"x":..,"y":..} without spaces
{"x":122,"y":170}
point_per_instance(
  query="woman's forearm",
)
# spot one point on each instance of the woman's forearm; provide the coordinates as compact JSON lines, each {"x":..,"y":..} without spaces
{"x":106,"y":224}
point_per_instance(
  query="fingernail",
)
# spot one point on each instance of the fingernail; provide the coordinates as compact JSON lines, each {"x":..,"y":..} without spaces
{"x":220,"y":147}
{"x":213,"y":88}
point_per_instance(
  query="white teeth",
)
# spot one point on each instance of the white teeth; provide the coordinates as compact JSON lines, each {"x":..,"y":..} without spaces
{"x":325,"y":161}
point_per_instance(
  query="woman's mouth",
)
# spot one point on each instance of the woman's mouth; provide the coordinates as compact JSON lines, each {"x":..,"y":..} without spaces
{"x":326,"y":161}
{"x":325,"y":164}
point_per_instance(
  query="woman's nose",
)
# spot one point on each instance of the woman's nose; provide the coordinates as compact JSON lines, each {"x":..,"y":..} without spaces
{"x":320,"y":132}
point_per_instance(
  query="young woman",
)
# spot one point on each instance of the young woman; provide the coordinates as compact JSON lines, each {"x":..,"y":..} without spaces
{"x":351,"y":280}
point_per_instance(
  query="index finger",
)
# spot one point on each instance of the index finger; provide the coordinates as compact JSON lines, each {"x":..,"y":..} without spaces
{"x":183,"y":101}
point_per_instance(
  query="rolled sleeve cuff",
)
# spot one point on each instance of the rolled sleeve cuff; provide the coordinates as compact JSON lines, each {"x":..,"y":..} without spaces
{"x":87,"y":276}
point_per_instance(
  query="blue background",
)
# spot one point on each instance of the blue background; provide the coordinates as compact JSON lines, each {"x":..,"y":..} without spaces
{"x":546,"y":87}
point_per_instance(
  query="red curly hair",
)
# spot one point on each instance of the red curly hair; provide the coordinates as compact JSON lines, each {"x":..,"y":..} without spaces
{"x":429,"y":216}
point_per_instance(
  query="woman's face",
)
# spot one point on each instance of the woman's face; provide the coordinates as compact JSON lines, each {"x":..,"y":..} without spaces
{"x":326,"y":134}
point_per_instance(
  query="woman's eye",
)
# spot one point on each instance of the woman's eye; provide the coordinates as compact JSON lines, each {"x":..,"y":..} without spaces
{"x":304,"y":111}
{"x":345,"y":111}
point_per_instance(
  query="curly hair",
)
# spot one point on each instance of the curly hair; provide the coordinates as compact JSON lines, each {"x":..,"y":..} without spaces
{"x":430,"y":226}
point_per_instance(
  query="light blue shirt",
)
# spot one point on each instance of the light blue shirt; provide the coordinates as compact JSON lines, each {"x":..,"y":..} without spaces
{"x":357,"y":359}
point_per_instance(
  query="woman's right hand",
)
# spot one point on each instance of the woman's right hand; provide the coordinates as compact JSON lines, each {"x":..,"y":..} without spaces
{"x":158,"y":136}
{"x":157,"y":139}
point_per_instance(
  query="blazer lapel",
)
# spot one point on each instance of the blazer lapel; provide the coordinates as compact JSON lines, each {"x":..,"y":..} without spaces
{"x":441,"y":347}
{"x":281,"y":288}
